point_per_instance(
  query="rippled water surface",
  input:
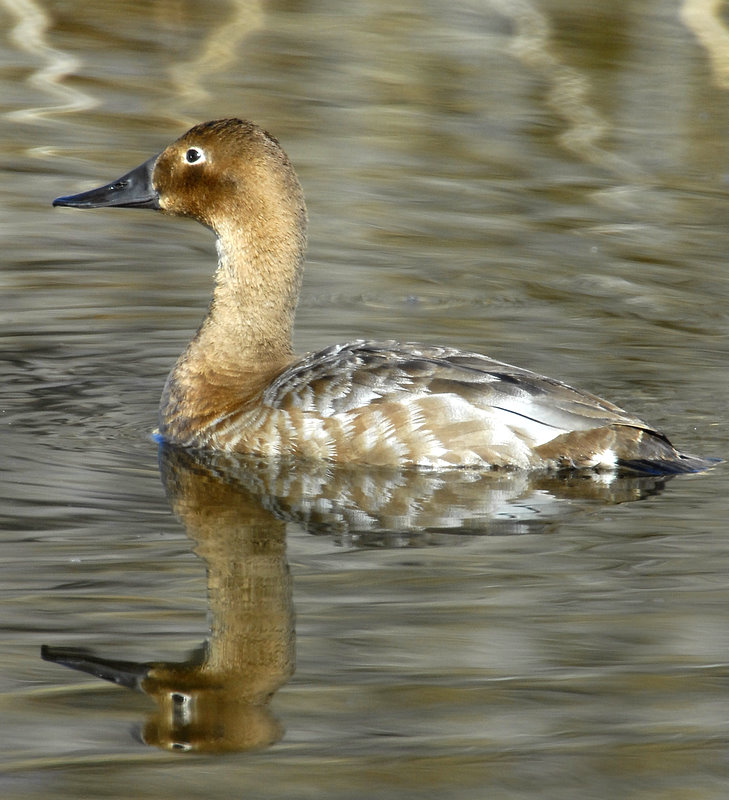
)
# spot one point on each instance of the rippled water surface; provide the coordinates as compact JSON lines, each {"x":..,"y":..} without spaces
{"x":542,"y":180}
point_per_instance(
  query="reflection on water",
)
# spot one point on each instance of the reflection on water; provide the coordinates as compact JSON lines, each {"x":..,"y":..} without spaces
{"x":544,"y":181}
{"x":366,"y":507}
{"x":217,"y":700}
{"x":704,"y":19}
{"x":29,"y":33}
{"x":234,"y":511}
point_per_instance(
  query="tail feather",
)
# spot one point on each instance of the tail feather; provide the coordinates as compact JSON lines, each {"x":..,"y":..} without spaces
{"x":650,"y":452}
{"x":674,"y":464}
{"x":627,"y":448}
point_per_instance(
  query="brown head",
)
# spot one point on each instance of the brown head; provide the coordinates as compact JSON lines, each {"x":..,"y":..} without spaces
{"x":233,"y":177}
{"x":229,"y":172}
{"x":223,"y":172}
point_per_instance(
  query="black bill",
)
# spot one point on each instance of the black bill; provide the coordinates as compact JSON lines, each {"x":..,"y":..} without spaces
{"x":133,"y":190}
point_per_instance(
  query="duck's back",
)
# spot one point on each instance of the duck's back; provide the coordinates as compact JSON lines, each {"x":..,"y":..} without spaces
{"x":385,"y":403}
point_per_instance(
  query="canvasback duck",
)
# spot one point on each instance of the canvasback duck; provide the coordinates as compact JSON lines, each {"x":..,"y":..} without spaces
{"x":239,"y":387}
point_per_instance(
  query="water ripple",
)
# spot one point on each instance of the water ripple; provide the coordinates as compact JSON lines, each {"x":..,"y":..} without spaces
{"x":702,"y":17}
{"x":569,"y":92}
{"x":29,"y":35}
{"x":217,"y":52}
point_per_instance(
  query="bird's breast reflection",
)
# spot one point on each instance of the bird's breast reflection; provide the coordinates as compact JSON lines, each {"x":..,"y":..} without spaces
{"x":236,"y":511}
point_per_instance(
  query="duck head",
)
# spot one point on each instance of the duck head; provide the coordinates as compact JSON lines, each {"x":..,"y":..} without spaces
{"x":233,"y":177}
{"x":221,"y":173}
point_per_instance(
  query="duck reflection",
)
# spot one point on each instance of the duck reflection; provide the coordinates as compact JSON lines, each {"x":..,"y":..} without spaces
{"x":218,"y":699}
{"x":236,"y":510}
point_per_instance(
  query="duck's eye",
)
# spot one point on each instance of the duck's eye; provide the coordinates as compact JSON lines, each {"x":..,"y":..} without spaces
{"x":194,"y":155}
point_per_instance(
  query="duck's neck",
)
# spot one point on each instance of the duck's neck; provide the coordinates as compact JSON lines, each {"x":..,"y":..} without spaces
{"x":246,"y":337}
{"x":251,"y":317}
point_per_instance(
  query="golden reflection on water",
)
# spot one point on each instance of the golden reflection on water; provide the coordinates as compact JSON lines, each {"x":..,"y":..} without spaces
{"x":218,"y":700}
{"x":569,"y":93}
{"x":220,"y":50}
{"x":704,"y":18}
{"x":235,"y":511}
{"x":30,"y":34}
{"x":216,"y":51}
{"x":476,"y":175}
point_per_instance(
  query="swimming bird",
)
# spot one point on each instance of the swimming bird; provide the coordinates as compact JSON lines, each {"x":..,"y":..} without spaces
{"x":239,"y":387}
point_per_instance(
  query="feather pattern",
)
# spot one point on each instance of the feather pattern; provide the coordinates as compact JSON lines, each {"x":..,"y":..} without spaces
{"x":239,"y":388}
{"x":388,"y":403}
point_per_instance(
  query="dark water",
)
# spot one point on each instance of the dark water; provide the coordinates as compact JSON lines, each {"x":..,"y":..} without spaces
{"x":544,"y":181}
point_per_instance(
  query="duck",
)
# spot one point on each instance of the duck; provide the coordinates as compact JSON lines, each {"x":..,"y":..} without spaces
{"x":240,"y":388}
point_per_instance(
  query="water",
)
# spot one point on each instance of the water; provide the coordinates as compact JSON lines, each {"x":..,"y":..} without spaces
{"x":542,"y":181}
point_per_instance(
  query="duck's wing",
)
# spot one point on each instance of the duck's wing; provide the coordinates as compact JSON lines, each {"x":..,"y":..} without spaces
{"x":344,"y":378}
{"x":441,"y":406}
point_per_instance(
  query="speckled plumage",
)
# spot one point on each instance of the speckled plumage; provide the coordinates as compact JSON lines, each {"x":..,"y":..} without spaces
{"x":389,"y":403}
{"x":239,"y":387}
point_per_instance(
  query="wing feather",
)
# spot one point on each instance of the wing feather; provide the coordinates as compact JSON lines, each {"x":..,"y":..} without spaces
{"x":345,"y":378}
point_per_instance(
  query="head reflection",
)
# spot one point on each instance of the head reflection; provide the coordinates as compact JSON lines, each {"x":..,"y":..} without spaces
{"x":236,"y":511}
